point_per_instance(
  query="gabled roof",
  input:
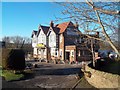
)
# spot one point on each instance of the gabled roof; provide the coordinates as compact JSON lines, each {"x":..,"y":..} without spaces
{"x":59,"y":28}
{"x":34,"y":33}
{"x":56,"y":30}
{"x":63,"y":26}
{"x":44,"y":28}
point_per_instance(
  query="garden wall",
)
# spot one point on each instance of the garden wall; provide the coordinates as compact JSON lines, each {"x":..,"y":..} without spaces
{"x":100,"y":79}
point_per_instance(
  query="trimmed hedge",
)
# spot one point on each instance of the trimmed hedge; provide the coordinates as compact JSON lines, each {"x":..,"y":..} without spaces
{"x":13,"y":59}
{"x":5,"y":54}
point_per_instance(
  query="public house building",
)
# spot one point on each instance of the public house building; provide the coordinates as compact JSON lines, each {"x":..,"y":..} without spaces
{"x":62,"y":41}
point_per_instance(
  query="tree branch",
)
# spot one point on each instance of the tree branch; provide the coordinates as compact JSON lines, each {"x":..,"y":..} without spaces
{"x":101,"y":10}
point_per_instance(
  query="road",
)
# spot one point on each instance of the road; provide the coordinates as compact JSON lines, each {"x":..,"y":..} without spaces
{"x":51,"y":76}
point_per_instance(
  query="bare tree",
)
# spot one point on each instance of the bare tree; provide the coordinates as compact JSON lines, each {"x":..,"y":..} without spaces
{"x":18,"y":41}
{"x":6,"y":39}
{"x":27,"y":40}
{"x":101,"y":16}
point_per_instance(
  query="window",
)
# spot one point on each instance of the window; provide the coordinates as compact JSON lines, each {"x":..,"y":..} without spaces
{"x":52,"y":38}
{"x":72,"y":53}
{"x":42,"y":38}
{"x":81,"y":52}
{"x":34,"y":40}
{"x":95,"y":41}
{"x":82,"y":40}
{"x":56,"y":53}
{"x":86,"y":53}
{"x":60,"y":53}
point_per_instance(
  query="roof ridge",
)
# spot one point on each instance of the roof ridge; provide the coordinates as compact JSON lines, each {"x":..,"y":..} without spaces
{"x":64,"y":22}
{"x":63,"y":26}
{"x":45,"y":26}
{"x":34,"y":30}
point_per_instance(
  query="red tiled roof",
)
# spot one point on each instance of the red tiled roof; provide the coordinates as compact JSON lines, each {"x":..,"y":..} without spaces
{"x":63,"y":26}
{"x":59,"y":28}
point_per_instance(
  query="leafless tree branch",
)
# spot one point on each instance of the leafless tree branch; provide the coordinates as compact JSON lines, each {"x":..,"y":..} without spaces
{"x":101,"y":10}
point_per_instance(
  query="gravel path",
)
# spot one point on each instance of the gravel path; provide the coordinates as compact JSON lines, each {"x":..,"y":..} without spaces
{"x":50,"y":76}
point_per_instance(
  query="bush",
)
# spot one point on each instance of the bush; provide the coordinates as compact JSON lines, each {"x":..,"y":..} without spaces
{"x":14,"y":59}
{"x":79,"y":59}
{"x":0,"y":56}
{"x":29,"y":65}
{"x":117,"y":59}
{"x":107,"y":66}
{"x":5,"y":54}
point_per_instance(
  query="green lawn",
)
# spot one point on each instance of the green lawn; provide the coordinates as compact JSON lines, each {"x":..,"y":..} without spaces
{"x":10,"y":76}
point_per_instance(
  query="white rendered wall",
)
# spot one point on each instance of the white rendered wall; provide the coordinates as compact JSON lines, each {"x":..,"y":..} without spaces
{"x":42,"y":37}
{"x":52,"y":39}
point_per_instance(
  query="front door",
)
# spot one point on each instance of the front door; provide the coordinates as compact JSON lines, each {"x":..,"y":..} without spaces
{"x":68,"y":56}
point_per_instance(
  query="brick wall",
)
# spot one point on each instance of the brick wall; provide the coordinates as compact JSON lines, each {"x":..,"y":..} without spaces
{"x":71,"y":49}
{"x":62,"y":47}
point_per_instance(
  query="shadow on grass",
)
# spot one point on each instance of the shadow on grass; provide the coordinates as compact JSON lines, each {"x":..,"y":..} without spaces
{"x":28,"y":75}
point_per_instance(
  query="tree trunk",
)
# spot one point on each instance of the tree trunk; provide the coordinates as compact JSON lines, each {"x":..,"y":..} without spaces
{"x":106,"y":35}
{"x":93,"y":54}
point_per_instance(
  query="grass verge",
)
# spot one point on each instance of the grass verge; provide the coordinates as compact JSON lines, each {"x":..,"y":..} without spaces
{"x":9,"y":75}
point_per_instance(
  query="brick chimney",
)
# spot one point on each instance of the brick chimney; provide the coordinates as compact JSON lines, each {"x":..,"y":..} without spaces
{"x":76,"y":25}
{"x":97,"y":33}
{"x":51,"y":24}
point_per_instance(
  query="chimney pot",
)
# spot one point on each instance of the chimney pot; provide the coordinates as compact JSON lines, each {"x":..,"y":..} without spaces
{"x":76,"y":25}
{"x":51,"y":24}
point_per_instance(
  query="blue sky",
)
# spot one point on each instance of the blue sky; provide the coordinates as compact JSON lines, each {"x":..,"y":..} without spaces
{"x":20,"y":18}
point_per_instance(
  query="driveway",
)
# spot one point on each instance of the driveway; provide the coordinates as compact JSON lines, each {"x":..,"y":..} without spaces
{"x":52,"y":76}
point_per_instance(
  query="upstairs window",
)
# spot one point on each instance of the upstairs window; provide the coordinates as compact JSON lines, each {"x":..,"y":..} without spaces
{"x":34,"y":40}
